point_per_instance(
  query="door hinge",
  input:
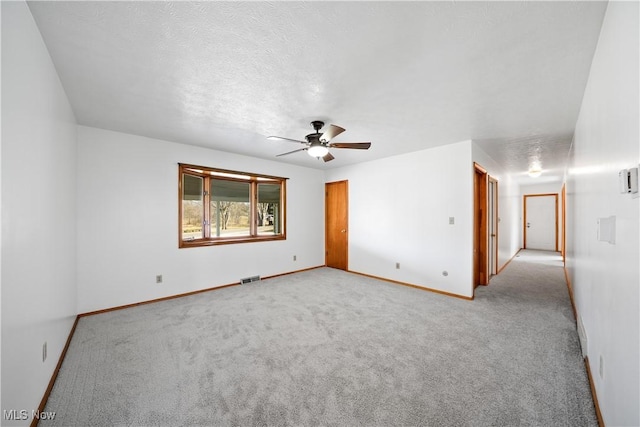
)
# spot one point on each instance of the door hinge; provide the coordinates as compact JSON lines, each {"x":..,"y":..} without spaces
{"x":205,"y":193}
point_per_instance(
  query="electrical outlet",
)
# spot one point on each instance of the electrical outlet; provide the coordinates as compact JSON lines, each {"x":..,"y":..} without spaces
{"x":44,"y":351}
{"x":397,"y":266}
{"x":295,"y":257}
{"x":159,"y":278}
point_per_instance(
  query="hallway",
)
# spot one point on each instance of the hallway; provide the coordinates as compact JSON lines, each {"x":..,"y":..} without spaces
{"x":532,"y":290}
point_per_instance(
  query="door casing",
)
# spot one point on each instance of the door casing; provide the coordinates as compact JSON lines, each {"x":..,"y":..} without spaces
{"x":563,"y":243}
{"x":492,"y":218}
{"x":524,"y":217}
{"x":480,"y":234}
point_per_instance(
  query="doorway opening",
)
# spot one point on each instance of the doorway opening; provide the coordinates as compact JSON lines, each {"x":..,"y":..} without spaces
{"x":493,"y":220}
{"x":540,"y":222}
{"x":563,"y":243}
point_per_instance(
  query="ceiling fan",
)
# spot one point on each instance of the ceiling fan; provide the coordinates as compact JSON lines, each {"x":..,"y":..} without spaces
{"x":318,"y":144}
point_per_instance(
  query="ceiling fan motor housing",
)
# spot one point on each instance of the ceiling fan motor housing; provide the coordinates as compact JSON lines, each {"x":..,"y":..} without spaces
{"x":314,"y":138}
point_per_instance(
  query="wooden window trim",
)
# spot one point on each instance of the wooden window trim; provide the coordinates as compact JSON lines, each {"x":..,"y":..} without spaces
{"x":253,"y":179}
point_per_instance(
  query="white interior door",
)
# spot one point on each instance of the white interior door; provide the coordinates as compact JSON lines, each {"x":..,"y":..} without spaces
{"x":540,"y":226}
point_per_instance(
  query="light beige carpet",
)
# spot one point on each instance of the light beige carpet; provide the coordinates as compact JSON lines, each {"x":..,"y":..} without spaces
{"x":326,"y":347}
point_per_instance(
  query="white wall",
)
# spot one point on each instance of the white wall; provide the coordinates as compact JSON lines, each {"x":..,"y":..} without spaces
{"x":128,"y":222}
{"x":605,"y":277}
{"x":38,"y":213}
{"x":0,"y":213}
{"x":509,"y":206}
{"x":399,"y":210}
{"x":549,"y":187}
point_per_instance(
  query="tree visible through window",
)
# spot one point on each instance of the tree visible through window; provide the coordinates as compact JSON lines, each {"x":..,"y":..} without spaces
{"x":219,"y":206}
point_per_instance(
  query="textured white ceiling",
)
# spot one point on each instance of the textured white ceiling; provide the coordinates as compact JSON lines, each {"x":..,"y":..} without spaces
{"x":403,"y":75}
{"x":549,"y":152}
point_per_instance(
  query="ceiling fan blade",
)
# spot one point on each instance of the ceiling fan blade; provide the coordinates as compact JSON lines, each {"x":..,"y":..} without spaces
{"x":285,"y":139}
{"x":352,"y":145}
{"x":331,"y":133}
{"x":328,"y":157}
{"x":294,"y":151}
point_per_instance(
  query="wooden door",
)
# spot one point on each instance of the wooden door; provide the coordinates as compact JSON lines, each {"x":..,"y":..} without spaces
{"x":541,"y":222}
{"x":336,"y":224}
{"x":480,"y":241}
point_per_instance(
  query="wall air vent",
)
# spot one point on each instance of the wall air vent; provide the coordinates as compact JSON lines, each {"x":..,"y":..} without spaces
{"x":249,"y":280}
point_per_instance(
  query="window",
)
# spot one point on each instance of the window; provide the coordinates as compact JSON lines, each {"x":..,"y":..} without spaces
{"x":219,"y":207}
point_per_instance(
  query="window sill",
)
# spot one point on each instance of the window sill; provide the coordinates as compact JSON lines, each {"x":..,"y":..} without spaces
{"x":227,"y":241}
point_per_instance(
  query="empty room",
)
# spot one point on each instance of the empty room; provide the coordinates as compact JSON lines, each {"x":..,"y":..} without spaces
{"x":320,"y":213}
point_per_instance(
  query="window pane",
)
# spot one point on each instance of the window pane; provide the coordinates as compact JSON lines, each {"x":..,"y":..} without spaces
{"x":269,"y":216}
{"x":230,"y":213}
{"x":192,"y":207}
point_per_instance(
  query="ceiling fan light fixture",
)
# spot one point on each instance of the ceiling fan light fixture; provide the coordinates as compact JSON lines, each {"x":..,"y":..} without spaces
{"x":317,"y":150}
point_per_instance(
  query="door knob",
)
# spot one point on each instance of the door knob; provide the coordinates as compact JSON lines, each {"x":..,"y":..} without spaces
{"x":343,"y":231}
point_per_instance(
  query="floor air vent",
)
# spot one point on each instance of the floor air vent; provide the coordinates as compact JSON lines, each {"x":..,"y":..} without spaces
{"x":249,"y":280}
